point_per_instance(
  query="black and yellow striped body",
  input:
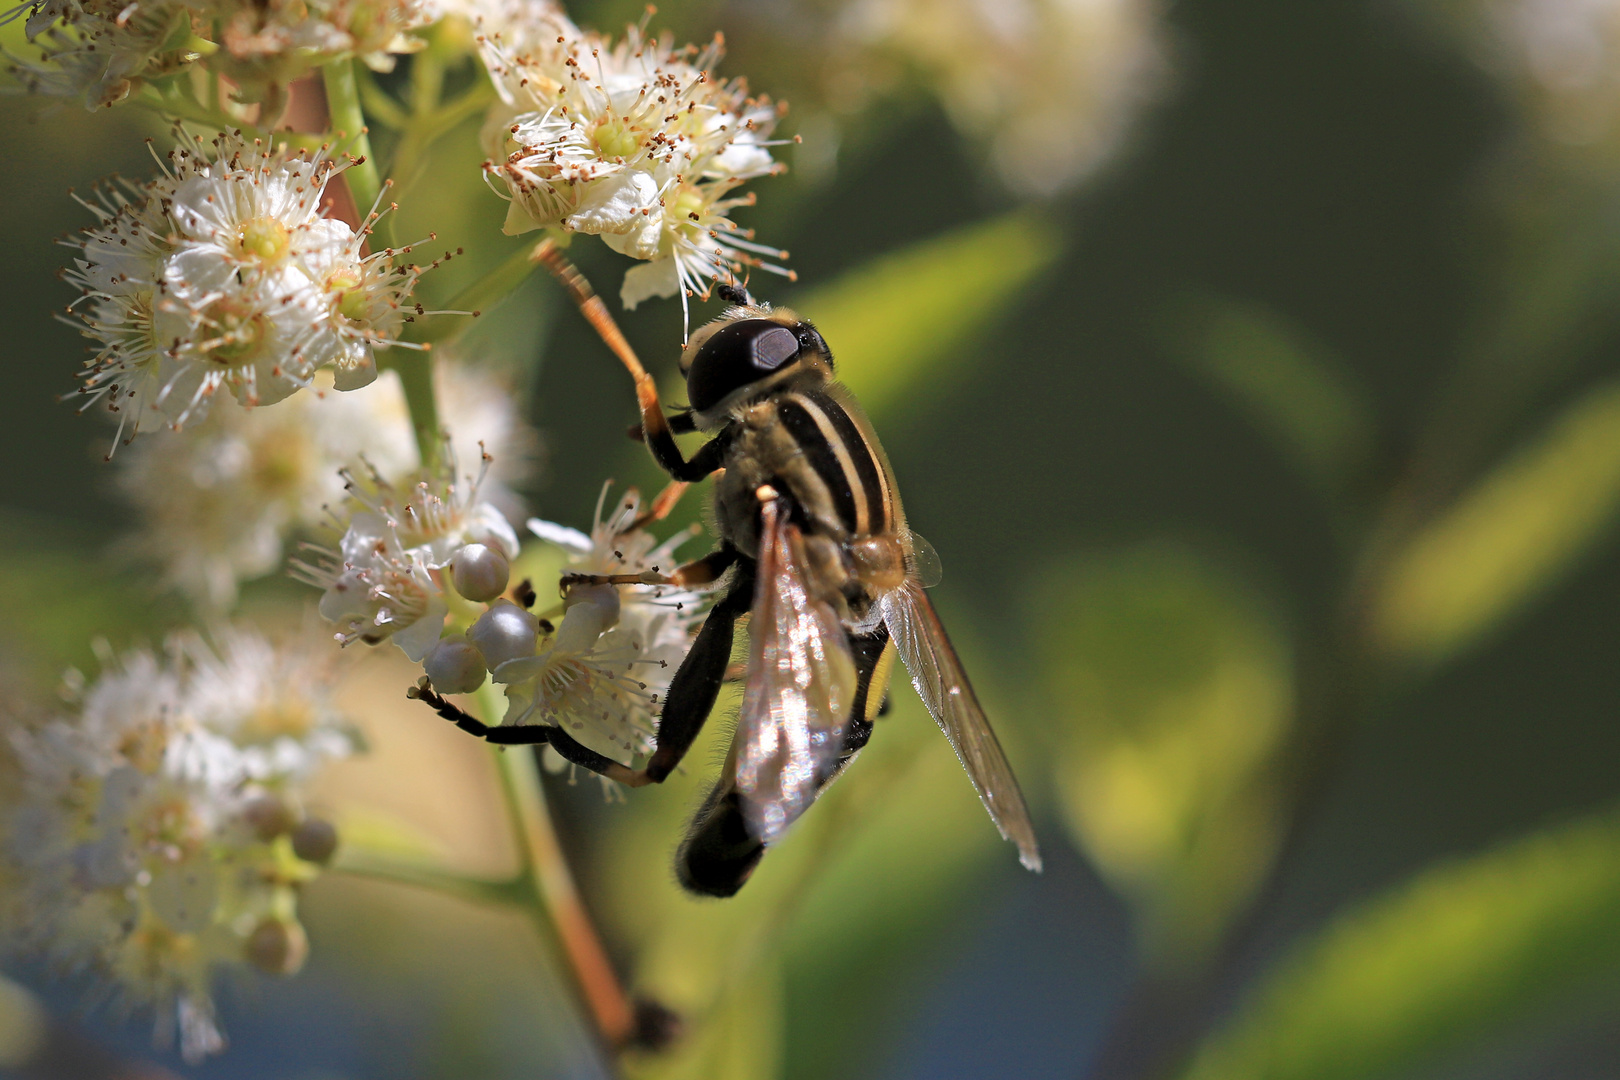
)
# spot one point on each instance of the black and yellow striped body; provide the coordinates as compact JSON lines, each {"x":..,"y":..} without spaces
{"x":810,"y":440}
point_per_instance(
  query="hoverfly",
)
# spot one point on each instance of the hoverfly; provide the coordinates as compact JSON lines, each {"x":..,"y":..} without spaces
{"x":812,"y":532}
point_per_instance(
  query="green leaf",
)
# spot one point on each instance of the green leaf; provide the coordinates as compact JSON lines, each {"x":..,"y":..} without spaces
{"x":1452,"y":956}
{"x":1173,"y":687}
{"x":1289,"y":385}
{"x":906,"y":319}
{"x":57,"y":594}
{"x":1508,"y":539}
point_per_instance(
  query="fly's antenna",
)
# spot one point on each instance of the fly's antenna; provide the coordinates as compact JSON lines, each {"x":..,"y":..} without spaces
{"x":735,"y":294}
{"x":590,"y":305}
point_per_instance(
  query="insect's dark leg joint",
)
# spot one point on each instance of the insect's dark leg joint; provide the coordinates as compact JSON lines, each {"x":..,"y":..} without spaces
{"x":521,"y":735}
{"x":586,"y":758}
{"x":679,"y":424}
{"x":696,"y":685}
{"x":423,"y":691}
{"x":709,"y":457}
{"x":707,"y":570}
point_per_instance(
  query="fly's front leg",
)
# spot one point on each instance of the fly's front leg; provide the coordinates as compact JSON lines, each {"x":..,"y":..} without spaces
{"x":696,"y":685}
{"x":655,"y":427}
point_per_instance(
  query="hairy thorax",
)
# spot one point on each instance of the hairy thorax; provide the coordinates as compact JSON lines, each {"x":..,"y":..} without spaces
{"x":844,"y":565}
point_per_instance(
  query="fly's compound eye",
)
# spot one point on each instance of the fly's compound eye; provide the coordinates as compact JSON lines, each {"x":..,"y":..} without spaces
{"x":734,"y":356}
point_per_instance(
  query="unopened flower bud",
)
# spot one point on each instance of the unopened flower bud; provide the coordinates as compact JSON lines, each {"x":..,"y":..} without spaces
{"x":504,"y":632}
{"x":277,"y":946}
{"x":269,"y":817}
{"x":455,"y":665}
{"x":315,"y":840}
{"x":480,"y":572}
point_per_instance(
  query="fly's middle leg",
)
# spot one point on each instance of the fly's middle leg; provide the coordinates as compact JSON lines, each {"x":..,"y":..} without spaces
{"x":694,"y":575}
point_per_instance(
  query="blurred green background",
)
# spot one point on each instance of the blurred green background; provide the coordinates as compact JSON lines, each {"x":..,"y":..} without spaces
{"x":1271,"y":442}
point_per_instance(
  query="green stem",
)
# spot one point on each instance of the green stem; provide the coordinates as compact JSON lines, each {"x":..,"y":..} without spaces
{"x":343,"y":105}
{"x":415,"y":368}
{"x":359,"y":862}
{"x":557,"y":905}
{"x":427,"y":81}
{"x":481,"y":295}
{"x":378,"y":104}
{"x":426,"y":128}
{"x":182,"y":107}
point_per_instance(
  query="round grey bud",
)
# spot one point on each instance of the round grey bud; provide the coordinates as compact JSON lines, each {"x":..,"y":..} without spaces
{"x":480,"y":572}
{"x":455,"y":665}
{"x":277,"y":947}
{"x":504,"y":632}
{"x":315,"y":841}
{"x":269,"y":816}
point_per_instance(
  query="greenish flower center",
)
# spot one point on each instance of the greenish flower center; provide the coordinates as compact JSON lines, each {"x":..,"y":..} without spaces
{"x":351,"y":298}
{"x":263,"y":238}
{"x":687,"y":207}
{"x":615,"y":138}
{"x":238,"y":334}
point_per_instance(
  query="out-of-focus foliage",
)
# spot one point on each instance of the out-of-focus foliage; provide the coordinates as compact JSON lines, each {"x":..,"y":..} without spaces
{"x":1557,"y":57}
{"x":1507,"y":539}
{"x":1174,"y":688}
{"x":1455,"y":955}
{"x":896,"y":323}
{"x":833,"y":914}
{"x":22,"y":1025}
{"x":52,"y":582}
{"x":1319,"y":418}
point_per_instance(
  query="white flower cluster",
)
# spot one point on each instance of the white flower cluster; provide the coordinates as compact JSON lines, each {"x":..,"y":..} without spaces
{"x":1051,"y":84}
{"x":222,"y":273}
{"x":1563,"y":56}
{"x":160,"y":831}
{"x":388,"y":577}
{"x":218,"y":502}
{"x":636,"y":142}
{"x":407,"y":563}
{"x":275,"y":41}
{"x":101,"y":50}
{"x":104,"y":50}
{"x":603,"y":673}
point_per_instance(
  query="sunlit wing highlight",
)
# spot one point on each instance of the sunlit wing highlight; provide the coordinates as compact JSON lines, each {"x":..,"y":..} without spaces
{"x":801,"y":686}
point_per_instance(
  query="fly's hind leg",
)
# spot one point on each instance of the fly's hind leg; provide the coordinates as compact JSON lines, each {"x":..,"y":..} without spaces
{"x":524,"y":735}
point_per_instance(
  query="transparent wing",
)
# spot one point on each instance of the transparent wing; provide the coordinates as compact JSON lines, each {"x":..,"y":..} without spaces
{"x":924,"y":565}
{"x":943,"y":685}
{"x":801,"y":687}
